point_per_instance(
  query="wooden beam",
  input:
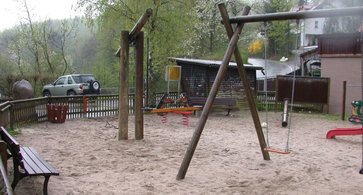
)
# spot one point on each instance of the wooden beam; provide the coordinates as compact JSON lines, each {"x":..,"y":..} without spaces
{"x":208,"y":105}
{"x":139,"y":92}
{"x":244,"y":78}
{"x":140,"y":23}
{"x":137,"y":28}
{"x":322,"y":13}
{"x":123,"y":88}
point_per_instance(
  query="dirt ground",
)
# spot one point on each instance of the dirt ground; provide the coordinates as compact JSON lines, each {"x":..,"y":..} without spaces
{"x":228,"y":159}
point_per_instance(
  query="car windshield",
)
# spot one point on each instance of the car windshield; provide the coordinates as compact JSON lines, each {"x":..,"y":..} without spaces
{"x":83,"y":78}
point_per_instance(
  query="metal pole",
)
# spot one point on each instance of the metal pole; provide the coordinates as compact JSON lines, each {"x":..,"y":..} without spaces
{"x":285,"y":113}
{"x":352,"y":11}
{"x":344,"y":99}
{"x":208,"y":105}
{"x":123,"y":88}
{"x":244,"y":79}
{"x":139,"y":92}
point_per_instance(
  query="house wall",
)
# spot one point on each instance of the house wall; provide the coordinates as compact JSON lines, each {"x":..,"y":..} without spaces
{"x":198,"y":80}
{"x":312,"y":28}
{"x":339,"y":70}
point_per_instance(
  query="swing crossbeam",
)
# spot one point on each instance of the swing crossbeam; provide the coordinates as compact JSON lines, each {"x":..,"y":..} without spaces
{"x":352,"y":11}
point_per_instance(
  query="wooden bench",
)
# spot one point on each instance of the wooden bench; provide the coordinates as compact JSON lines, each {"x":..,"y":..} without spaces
{"x":27,"y":162}
{"x":226,"y":103}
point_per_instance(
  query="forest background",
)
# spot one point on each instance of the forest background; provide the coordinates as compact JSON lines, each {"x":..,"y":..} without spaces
{"x":41,"y":51}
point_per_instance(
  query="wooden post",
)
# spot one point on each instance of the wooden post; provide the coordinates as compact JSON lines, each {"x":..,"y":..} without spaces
{"x":245,"y":81}
{"x":123,"y":88}
{"x":139,"y":93}
{"x":84,"y":104}
{"x":208,"y":105}
{"x":344,"y":99}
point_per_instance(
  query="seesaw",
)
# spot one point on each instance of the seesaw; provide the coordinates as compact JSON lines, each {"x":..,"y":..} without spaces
{"x":344,"y":131}
{"x":181,"y":109}
{"x":184,"y":111}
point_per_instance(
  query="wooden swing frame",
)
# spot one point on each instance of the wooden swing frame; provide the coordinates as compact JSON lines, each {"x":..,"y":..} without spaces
{"x":233,"y":36}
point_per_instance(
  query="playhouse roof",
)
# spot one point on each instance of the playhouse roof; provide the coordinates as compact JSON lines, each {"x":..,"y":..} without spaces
{"x":212,"y":63}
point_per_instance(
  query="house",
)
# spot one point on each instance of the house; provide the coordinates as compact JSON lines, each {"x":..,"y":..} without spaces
{"x":341,"y":60}
{"x":197,"y":77}
{"x":314,"y":27}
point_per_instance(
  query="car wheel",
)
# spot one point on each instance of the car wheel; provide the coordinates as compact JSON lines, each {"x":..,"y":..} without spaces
{"x":70,"y":93}
{"x":95,"y":86}
{"x":46,"y":93}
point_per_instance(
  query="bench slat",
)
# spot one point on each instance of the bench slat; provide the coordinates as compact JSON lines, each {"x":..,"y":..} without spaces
{"x":36,"y":164}
{"x":52,"y":170}
{"x":30,"y":165}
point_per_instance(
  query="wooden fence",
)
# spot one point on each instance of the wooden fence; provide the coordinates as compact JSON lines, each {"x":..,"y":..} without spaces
{"x":273,"y":105}
{"x":92,"y":106}
{"x":35,"y":110}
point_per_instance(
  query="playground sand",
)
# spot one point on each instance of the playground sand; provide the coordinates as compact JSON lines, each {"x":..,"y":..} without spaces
{"x":228,"y":158}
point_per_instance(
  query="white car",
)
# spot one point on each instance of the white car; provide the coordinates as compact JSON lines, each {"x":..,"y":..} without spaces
{"x":74,"y":84}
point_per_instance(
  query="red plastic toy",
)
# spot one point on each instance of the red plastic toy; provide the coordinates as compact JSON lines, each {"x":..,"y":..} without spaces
{"x":344,"y":131}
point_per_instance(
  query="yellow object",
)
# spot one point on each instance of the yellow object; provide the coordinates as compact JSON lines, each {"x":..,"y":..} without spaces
{"x":173,"y":73}
{"x":256,"y":46}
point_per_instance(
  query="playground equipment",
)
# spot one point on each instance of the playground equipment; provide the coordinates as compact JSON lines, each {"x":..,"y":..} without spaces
{"x":285,"y":114}
{"x":356,"y":112}
{"x":136,"y":38}
{"x":290,"y":94}
{"x":343,"y":131}
{"x":356,"y":118}
{"x":234,"y":36}
{"x":185,"y":109}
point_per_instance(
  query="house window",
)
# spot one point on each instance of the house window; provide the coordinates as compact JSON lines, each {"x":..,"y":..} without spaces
{"x":316,"y":24}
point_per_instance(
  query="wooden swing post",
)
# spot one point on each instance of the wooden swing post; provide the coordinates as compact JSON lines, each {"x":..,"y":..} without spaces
{"x":208,"y":105}
{"x":123,"y":88}
{"x":136,"y":37}
{"x":244,"y":79}
{"x":139,"y":89}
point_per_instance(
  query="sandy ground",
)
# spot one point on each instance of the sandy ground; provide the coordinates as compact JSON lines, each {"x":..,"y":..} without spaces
{"x":228,"y":158}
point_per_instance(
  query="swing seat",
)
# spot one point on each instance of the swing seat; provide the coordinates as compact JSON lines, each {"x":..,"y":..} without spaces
{"x":268,"y":149}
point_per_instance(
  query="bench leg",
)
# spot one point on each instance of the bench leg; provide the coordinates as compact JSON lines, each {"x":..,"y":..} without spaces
{"x":45,"y":185}
{"x":17,"y":177}
{"x":228,"y":112}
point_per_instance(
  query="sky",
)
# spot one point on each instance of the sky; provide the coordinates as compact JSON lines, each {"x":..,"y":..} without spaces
{"x":12,"y":11}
